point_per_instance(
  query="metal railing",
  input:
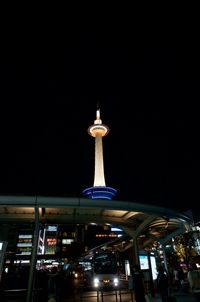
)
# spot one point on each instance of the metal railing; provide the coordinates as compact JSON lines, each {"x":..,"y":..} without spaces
{"x":106,"y":296}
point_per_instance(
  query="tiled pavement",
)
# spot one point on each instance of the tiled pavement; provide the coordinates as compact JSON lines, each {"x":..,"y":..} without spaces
{"x":181,"y":297}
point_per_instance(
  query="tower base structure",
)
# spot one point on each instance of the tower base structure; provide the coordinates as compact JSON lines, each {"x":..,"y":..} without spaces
{"x":100,"y":192}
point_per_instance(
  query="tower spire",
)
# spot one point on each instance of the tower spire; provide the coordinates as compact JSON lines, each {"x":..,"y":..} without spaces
{"x":99,"y":190}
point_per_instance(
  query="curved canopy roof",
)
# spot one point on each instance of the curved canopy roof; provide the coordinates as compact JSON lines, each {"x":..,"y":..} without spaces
{"x":138,"y":220}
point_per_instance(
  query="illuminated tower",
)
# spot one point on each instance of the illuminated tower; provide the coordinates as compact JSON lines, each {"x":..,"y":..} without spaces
{"x":99,"y":189}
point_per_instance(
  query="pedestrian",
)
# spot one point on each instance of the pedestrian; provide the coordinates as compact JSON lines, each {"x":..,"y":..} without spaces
{"x":52,"y":284}
{"x":162,"y":284}
{"x":138,"y":284}
{"x":194,"y":280}
{"x":177,"y":282}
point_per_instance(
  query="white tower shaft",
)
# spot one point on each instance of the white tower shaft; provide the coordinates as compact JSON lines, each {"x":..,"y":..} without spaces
{"x":99,"y":179}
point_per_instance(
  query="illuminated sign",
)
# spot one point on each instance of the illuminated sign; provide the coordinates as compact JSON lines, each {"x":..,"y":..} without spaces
{"x":52,"y":228}
{"x":67,"y":241}
{"x":51,"y":241}
{"x":144,"y":262}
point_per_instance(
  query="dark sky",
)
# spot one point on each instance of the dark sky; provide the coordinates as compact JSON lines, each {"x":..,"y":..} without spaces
{"x":148,"y":97}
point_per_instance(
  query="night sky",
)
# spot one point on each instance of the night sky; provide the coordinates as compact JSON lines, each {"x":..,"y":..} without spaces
{"x":148,"y":97}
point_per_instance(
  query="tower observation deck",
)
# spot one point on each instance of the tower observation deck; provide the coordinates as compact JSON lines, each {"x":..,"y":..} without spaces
{"x":99,"y":189}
